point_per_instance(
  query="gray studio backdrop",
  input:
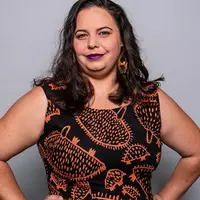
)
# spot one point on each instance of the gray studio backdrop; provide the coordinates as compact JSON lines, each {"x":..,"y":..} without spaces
{"x":168,"y":32}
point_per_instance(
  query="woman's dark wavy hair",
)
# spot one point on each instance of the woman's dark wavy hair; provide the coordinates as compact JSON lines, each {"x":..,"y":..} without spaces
{"x":66,"y":71}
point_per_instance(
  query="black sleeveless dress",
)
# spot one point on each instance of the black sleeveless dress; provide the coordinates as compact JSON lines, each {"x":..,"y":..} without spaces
{"x":104,"y":154}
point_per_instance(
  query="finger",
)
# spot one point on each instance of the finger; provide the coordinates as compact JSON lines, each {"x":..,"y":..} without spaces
{"x":157,"y":197}
{"x":54,"y":197}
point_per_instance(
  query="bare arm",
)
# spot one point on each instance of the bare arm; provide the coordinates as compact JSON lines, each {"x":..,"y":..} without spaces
{"x":180,"y":133}
{"x":20,"y":128}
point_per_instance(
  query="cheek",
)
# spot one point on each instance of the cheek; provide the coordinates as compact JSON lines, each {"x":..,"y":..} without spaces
{"x":114,"y":45}
{"x":78,"y":47}
{"x":115,"y":49}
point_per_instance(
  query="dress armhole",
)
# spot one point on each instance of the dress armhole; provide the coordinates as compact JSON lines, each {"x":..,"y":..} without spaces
{"x":45,"y":87}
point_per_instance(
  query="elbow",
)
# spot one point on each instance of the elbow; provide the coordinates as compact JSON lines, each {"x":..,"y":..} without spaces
{"x":192,"y":164}
{"x":198,"y":164}
{"x":195,"y":164}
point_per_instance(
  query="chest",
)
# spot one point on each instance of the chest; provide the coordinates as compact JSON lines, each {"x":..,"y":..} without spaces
{"x":102,"y":139}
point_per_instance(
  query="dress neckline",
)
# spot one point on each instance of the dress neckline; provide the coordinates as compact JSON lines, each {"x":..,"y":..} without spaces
{"x":108,"y":109}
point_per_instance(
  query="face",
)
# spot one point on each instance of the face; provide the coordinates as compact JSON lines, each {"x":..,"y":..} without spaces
{"x":97,"y":42}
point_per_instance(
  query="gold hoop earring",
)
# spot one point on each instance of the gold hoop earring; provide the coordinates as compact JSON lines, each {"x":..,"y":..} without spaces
{"x":122,"y":64}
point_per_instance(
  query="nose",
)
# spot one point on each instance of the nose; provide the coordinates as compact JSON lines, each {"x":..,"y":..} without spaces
{"x":93,"y":42}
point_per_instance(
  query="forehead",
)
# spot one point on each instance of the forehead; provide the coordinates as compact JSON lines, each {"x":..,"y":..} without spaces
{"x":94,"y":17}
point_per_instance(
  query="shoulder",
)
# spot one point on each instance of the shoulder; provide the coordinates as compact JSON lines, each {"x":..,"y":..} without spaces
{"x":175,"y":122}
{"x":24,"y":120}
{"x":34,"y":101}
{"x":34,"y":97}
{"x":170,"y":111}
{"x":178,"y":130}
{"x":52,"y":90}
{"x":157,"y":94}
{"x":149,"y":95}
{"x":31,"y":106}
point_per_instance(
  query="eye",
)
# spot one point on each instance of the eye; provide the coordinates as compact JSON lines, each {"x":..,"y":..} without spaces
{"x":81,"y":36}
{"x":104,"y":33}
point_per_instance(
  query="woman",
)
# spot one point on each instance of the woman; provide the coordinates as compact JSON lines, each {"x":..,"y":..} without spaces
{"x":99,"y":121}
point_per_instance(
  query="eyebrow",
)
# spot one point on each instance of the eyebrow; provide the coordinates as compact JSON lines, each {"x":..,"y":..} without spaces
{"x":99,"y":29}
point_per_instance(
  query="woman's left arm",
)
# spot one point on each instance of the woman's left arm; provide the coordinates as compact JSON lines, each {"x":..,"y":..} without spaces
{"x":181,"y":134}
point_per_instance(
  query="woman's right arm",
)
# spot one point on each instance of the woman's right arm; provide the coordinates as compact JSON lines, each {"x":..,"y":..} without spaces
{"x":20,"y":128}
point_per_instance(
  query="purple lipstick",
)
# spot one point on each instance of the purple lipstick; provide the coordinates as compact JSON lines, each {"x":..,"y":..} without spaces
{"x":95,"y":56}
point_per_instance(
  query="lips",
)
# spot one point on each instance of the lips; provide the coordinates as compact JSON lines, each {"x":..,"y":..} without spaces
{"x":95,"y":56}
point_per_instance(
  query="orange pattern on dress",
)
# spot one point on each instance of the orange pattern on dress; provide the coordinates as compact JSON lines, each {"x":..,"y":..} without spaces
{"x":135,"y":152}
{"x":70,"y":160}
{"x":59,"y":182}
{"x":51,"y":111}
{"x":52,"y":189}
{"x":113,"y":178}
{"x":73,"y":168}
{"x":55,"y":87}
{"x":148,"y":114}
{"x":81,"y":191}
{"x":102,"y":196}
{"x":141,"y":174}
{"x":131,"y":191}
{"x":158,"y":157}
{"x":105,"y":127}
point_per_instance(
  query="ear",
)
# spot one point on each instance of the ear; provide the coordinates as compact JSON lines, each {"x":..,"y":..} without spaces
{"x":122,"y":49}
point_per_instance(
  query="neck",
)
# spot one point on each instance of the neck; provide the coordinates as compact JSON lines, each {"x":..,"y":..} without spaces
{"x":103,"y":87}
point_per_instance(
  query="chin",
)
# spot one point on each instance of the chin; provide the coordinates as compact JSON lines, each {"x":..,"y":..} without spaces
{"x":95,"y":69}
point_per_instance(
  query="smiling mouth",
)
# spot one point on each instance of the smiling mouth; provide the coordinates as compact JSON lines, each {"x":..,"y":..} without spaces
{"x":95,"y":56}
